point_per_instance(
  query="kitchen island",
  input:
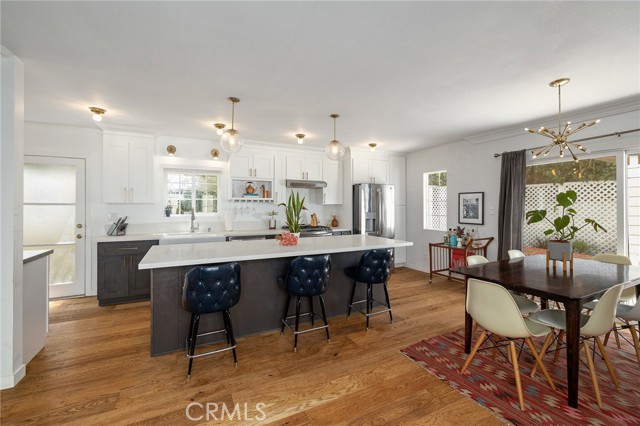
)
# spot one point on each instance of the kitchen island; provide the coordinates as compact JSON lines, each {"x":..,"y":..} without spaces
{"x":261,"y":302}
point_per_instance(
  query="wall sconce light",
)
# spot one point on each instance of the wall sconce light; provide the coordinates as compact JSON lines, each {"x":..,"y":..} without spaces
{"x":219,"y":127}
{"x":97,"y":113}
{"x":372,"y":147}
{"x":215,"y":154}
{"x":171,"y":150}
{"x":300,"y":137}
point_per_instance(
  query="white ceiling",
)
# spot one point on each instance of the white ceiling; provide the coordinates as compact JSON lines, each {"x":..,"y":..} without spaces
{"x":406,"y":75}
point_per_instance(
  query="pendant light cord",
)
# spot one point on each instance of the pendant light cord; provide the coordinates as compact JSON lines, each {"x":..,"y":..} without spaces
{"x":233,"y":113}
{"x":559,"y":110}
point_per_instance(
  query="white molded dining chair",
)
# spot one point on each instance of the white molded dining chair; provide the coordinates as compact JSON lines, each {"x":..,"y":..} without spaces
{"x":628,"y":294}
{"x":525,"y":305}
{"x":494,"y":308}
{"x":591,"y":327}
{"x":515,"y":254}
{"x":630,"y":314}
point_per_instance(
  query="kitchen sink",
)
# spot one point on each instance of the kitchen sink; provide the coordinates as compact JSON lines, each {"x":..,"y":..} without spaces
{"x":190,"y":238}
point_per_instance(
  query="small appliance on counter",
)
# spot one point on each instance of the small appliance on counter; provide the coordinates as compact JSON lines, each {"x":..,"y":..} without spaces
{"x":119,"y":227}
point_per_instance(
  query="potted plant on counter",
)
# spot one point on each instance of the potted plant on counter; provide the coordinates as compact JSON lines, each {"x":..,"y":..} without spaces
{"x":563,"y":228}
{"x":293,"y":211}
{"x":272,"y":219}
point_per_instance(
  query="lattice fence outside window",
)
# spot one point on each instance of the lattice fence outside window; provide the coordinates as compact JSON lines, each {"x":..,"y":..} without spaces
{"x":596,"y":200}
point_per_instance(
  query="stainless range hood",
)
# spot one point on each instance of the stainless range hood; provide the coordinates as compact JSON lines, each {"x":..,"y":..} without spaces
{"x":308,"y":184}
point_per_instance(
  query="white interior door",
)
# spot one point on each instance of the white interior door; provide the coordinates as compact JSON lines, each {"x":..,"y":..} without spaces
{"x":54,"y":218}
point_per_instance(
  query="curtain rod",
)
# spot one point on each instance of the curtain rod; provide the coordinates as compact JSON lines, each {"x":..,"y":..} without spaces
{"x":618,"y":134}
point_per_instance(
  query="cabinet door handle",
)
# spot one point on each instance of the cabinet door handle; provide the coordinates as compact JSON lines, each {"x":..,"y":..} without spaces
{"x":128,"y":248}
{"x":324,"y":198}
{"x":255,"y":172}
{"x":126,"y":194}
{"x":131,"y":194}
{"x":124,"y":261}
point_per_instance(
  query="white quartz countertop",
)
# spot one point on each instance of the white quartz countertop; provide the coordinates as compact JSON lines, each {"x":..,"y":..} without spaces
{"x":204,"y":253}
{"x":223,"y":234}
{"x":31,"y":255}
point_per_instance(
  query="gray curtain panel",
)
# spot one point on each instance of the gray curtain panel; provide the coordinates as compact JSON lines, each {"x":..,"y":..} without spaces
{"x":511,"y":204}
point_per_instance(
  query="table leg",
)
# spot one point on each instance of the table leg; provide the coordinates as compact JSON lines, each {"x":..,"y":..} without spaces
{"x":572,"y":312}
{"x":468,"y":322}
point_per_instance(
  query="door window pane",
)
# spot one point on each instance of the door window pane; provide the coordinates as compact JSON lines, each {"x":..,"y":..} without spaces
{"x":48,"y":183}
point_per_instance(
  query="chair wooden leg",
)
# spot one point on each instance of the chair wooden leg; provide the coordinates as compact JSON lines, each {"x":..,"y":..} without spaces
{"x":616,"y":334}
{"x":532,"y":348}
{"x":543,"y":350}
{"x":473,"y":351}
{"x":558,"y":343}
{"x":606,"y":337}
{"x":592,"y":371}
{"x":612,"y":372}
{"x":634,"y":336}
{"x":516,"y":371}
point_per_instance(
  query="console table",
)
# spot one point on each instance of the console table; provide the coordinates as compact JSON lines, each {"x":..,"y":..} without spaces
{"x":444,"y":257}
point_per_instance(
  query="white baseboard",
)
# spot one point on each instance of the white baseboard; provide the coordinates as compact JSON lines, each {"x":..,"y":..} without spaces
{"x":417,"y":266}
{"x":10,"y":381}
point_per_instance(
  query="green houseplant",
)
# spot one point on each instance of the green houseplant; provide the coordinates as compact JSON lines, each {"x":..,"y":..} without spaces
{"x":293,"y":211}
{"x":563,"y":227}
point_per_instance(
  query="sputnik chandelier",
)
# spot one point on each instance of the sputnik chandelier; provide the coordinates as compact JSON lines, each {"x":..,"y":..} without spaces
{"x":560,"y":137}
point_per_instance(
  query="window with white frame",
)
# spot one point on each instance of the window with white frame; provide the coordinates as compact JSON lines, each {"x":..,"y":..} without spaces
{"x":435,"y":200}
{"x":187,"y":189}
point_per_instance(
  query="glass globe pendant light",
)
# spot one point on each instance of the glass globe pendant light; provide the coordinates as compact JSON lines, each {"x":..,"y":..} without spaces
{"x":231,"y":140}
{"x":334,"y":149}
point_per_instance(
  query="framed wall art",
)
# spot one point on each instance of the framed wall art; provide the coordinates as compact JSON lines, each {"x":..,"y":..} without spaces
{"x":471,"y":208}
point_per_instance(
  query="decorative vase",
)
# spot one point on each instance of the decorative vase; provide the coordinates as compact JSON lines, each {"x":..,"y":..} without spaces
{"x":167,"y":212}
{"x":557,"y":247}
{"x":272,"y":223}
{"x":453,"y":241}
{"x":334,"y":221}
{"x":297,"y":234}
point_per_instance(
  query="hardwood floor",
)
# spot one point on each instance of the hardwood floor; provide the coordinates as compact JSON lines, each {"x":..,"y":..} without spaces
{"x":96,"y":369}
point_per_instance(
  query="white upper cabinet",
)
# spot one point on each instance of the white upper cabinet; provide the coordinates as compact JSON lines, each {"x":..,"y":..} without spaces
{"x":247,"y":164}
{"x":398,"y":177}
{"x":332,"y":174}
{"x":127,"y":165}
{"x":370,"y":171}
{"x":304,"y":168}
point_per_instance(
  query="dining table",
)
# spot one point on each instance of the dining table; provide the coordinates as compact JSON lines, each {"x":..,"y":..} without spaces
{"x":532,"y":275}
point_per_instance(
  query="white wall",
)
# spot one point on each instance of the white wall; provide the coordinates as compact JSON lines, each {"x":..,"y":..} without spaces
{"x":12,"y":368}
{"x":471,"y":167}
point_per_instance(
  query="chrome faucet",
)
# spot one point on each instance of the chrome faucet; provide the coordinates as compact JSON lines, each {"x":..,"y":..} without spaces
{"x":194,"y":227}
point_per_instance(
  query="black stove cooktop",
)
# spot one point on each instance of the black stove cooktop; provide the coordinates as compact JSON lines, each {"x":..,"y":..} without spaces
{"x":307,"y":230}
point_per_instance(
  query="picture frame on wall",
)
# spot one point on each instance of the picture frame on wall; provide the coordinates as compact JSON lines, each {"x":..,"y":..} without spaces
{"x":471,"y":208}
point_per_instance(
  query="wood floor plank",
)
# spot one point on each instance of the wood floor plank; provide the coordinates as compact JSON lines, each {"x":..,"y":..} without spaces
{"x":96,"y":369}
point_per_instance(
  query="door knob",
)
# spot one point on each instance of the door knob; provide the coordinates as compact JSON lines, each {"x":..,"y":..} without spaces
{"x":79,"y":236}
{"x":79,"y":225}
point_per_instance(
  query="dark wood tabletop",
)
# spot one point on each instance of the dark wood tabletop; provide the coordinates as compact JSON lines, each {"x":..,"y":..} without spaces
{"x":588,"y":280}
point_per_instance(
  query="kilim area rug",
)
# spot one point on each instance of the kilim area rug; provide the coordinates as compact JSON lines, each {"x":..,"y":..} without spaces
{"x":491,"y":383}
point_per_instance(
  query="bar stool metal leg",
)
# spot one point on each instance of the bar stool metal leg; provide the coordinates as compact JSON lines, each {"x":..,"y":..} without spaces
{"x":369,"y":303}
{"x":286,"y":312}
{"x":324,"y":317}
{"x":311,"y":310}
{"x":353,"y":292}
{"x":295,"y":334}
{"x":226,"y":315}
{"x":386,"y":295}
{"x":193,"y":334}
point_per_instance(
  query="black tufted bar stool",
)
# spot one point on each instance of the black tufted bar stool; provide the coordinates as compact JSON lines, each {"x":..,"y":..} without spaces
{"x":374,"y":268}
{"x":207,"y":290}
{"x":308,"y":276}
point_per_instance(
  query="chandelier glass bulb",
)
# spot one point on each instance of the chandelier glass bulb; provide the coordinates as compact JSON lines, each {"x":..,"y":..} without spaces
{"x":560,"y":137}
{"x":231,"y":141}
{"x":334,"y":149}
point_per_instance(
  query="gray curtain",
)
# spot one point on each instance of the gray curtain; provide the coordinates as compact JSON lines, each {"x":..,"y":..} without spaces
{"x":511,"y":204}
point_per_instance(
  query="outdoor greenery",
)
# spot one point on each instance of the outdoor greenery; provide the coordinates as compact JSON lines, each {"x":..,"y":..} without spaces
{"x":563,"y":226}
{"x":602,"y":169}
{"x":437,"y":179}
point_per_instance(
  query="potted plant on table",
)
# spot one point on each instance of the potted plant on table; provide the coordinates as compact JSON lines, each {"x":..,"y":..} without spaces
{"x":563,"y":228}
{"x":293,"y":211}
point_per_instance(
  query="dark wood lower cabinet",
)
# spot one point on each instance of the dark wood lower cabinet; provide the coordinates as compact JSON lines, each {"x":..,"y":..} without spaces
{"x":119,"y":280}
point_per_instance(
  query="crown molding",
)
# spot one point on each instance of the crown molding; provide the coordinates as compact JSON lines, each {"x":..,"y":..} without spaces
{"x":601,"y":111}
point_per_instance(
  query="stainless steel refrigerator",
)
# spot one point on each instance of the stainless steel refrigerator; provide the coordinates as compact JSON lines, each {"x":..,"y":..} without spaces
{"x":374,"y":210}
